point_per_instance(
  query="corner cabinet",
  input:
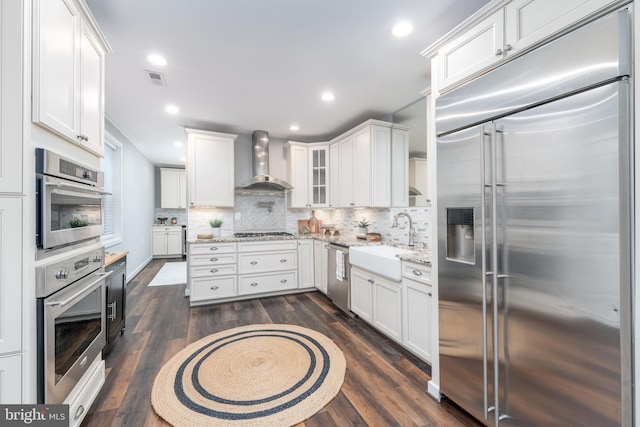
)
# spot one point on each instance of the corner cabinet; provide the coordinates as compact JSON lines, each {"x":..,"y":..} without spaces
{"x":361,"y":166}
{"x":68,"y":72}
{"x":518,"y":26}
{"x":210,"y":168}
{"x":308,"y":173}
{"x":173,"y":188}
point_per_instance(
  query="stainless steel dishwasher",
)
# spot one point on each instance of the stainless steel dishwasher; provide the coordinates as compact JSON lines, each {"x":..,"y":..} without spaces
{"x":338,"y":289}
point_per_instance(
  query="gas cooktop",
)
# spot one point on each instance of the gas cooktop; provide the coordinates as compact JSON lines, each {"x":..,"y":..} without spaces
{"x":262,"y":234}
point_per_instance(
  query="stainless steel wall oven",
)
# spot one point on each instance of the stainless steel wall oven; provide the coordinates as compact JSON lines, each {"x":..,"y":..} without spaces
{"x":69,"y":200}
{"x":71,"y":321}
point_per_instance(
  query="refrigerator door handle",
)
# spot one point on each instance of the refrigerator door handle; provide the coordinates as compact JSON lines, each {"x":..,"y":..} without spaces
{"x":485,"y":273}
{"x":494,"y":267}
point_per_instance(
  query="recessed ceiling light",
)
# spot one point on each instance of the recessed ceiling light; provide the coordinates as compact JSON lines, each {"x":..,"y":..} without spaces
{"x":294,"y":127}
{"x":171,"y":109}
{"x":156,"y":59}
{"x":328,"y":96}
{"x":402,"y":29}
{"x":178,"y":143}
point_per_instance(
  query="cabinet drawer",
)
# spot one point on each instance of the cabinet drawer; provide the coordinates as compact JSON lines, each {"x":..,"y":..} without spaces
{"x":208,"y":271}
{"x":212,"y":248}
{"x":271,"y":245}
{"x":256,"y":284}
{"x":263,"y":262}
{"x":79,"y":403}
{"x":206,"y":288}
{"x":418,"y":272}
{"x":208,"y":260}
{"x":167,"y":229}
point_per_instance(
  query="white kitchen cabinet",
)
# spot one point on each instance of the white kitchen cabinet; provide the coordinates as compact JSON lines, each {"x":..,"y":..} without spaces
{"x":212,"y":288}
{"x":167,"y":241}
{"x":68,"y":72}
{"x":11,"y":103}
{"x":360,"y":167}
{"x":387,"y":307}
{"x":399,"y":167}
{"x":306,"y":273}
{"x":362,"y":294}
{"x":173,"y":188}
{"x":262,"y":283}
{"x":307,"y":172}
{"x":260,"y":262}
{"x":10,"y":274}
{"x":212,"y":272}
{"x":320,"y":264}
{"x":210,"y":168}
{"x":417,"y":309}
{"x":334,"y":175}
{"x":518,"y":26}
{"x":418,"y":179}
{"x":11,"y":379}
{"x":85,"y":392}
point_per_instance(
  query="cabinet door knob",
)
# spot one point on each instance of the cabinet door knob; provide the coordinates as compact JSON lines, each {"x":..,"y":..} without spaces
{"x":253,"y":262}
{"x":214,"y":288}
{"x":498,"y":52}
{"x":254,"y":284}
{"x":429,"y":293}
{"x":508,"y":47}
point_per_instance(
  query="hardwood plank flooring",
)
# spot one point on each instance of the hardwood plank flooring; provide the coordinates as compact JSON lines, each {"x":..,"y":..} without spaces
{"x":384,"y":384}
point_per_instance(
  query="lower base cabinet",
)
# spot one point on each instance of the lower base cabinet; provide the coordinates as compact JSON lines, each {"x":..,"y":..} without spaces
{"x":306,"y":261}
{"x":11,"y":379}
{"x":416,"y":306}
{"x":116,"y":296}
{"x":361,"y":294}
{"x":320,"y":260}
{"x":84,"y":394}
{"x":167,"y":241}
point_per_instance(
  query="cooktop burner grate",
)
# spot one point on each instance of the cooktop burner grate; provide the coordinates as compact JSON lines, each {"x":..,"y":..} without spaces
{"x":262,"y":234}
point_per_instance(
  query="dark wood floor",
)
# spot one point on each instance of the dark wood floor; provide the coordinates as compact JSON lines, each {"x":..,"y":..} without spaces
{"x":384,"y":385}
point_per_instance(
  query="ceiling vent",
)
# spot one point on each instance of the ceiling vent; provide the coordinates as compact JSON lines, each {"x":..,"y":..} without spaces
{"x":156,"y":77}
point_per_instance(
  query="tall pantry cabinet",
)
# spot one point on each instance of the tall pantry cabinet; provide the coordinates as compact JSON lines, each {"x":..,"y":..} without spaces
{"x":12,"y":202}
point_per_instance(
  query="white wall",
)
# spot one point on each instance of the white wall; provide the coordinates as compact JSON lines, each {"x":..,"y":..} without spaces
{"x":138,"y":204}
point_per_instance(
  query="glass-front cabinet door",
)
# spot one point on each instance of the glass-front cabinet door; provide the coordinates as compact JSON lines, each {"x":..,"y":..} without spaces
{"x":318,"y":160}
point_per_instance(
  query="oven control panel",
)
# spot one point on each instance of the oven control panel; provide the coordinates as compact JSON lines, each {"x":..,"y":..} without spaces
{"x":58,"y":274}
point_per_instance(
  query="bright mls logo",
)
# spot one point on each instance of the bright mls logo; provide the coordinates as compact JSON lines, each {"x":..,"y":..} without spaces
{"x":34,"y":415}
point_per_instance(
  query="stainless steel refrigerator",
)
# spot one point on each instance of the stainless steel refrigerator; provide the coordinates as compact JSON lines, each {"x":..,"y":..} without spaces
{"x":535,"y":234}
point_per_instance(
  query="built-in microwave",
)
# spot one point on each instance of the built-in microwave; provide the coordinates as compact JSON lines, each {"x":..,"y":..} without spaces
{"x":69,"y":202}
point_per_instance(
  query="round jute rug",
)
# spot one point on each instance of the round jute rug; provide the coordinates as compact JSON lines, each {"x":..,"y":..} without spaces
{"x":258,"y":375}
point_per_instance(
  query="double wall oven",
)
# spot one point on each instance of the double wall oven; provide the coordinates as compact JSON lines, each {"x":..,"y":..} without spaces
{"x":70,"y":286}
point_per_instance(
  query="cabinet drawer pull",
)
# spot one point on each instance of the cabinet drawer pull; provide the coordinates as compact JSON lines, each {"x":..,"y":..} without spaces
{"x":213,"y":259}
{"x":214,"y":288}
{"x":283,"y":281}
{"x":213,"y":270}
{"x":283,"y":260}
{"x":253,"y":262}
{"x":254,"y":284}
{"x":215,"y":248}
{"x":79,"y":412}
{"x":417,"y":272}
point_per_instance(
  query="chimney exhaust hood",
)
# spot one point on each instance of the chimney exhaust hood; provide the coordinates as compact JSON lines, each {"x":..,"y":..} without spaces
{"x":260,"y":155}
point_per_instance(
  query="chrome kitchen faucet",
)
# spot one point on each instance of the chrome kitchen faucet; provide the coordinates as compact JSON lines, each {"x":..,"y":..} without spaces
{"x":412,"y":232}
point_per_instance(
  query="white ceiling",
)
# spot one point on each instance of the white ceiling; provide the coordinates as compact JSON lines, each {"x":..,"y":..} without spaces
{"x":240,"y":65}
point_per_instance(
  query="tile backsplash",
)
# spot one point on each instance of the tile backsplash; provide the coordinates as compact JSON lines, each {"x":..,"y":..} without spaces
{"x":268,"y":212}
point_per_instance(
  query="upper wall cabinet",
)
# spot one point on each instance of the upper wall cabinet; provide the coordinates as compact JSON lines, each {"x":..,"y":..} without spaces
{"x":173,"y":188}
{"x":361,"y":166}
{"x":11,"y":74}
{"x":68,"y":72}
{"x":210,"y":168}
{"x":307,"y":172}
{"x":508,"y":31}
{"x":399,"y":167}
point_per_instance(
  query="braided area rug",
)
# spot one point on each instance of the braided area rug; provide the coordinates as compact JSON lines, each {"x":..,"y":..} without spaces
{"x":258,"y":375}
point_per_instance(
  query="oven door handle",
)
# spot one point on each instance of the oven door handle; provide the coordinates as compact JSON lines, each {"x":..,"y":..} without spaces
{"x":77,"y":294}
{"x":78,"y":187}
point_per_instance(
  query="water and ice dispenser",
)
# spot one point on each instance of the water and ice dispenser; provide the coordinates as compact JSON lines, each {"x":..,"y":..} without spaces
{"x":460,"y":236}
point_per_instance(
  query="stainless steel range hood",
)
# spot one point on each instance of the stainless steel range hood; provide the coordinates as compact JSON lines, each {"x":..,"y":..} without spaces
{"x":260,"y":155}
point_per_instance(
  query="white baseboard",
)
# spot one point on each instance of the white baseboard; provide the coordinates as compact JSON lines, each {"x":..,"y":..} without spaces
{"x":433,"y":390}
{"x":138,"y":269}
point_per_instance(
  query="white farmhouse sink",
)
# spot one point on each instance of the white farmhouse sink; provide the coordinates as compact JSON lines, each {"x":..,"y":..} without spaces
{"x":380,"y":260}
